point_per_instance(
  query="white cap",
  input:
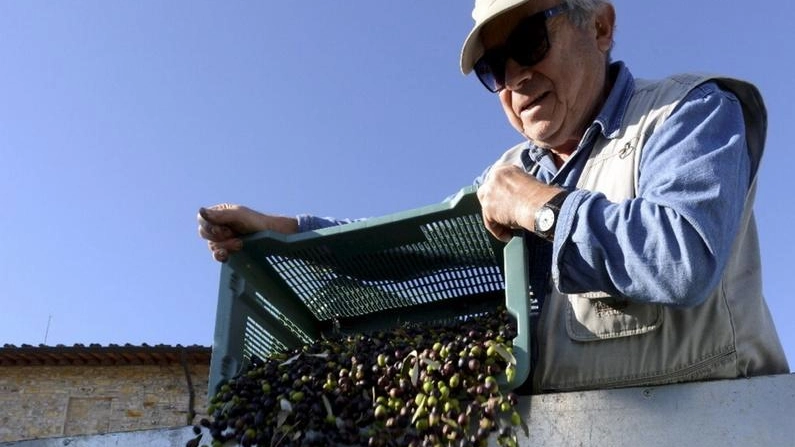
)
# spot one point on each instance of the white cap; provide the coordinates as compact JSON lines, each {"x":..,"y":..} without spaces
{"x":484,"y":12}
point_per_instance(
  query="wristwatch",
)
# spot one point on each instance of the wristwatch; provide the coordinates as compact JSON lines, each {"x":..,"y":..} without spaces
{"x":546,"y":218}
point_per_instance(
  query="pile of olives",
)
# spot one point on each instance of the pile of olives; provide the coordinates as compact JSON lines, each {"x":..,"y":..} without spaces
{"x":415,"y":385}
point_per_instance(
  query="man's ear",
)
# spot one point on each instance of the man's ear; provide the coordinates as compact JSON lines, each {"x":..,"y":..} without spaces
{"x":604,"y":25}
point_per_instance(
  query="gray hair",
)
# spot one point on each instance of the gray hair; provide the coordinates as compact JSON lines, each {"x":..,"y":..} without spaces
{"x":582,"y":10}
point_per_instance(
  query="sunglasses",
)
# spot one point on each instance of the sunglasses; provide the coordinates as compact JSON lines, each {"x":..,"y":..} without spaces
{"x":527,"y":44}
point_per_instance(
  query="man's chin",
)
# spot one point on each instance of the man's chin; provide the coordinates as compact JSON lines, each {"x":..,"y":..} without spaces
{"x":541,"y":134}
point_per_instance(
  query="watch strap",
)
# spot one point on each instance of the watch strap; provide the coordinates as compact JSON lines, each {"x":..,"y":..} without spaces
{"x":557,"y":201}
{"x":554,"y":204}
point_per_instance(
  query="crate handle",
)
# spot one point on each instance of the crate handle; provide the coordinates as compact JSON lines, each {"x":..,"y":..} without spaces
{"x":517,"y":299}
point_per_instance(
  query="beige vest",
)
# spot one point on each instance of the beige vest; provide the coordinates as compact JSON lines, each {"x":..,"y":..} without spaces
{"x":594,"y":341}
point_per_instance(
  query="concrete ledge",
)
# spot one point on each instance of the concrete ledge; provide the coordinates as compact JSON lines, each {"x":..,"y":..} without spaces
{"x":728,"y":413}
{"x":167,"y":437}
{"x":742,"y":412}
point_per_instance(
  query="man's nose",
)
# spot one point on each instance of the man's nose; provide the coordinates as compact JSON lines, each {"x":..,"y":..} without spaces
{"x":516,"y":74}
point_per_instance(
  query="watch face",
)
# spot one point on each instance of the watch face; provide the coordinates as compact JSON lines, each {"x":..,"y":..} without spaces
{"x":545,"y":219}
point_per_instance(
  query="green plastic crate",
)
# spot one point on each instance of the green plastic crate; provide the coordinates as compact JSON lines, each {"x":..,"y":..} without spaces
{"x":434,"y":263}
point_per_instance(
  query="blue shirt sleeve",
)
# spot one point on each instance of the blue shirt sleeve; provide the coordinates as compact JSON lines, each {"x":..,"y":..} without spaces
{"x":670,"y":244}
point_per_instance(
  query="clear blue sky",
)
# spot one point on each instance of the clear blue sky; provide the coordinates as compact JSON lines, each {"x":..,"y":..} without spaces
{"x":118,"y":120}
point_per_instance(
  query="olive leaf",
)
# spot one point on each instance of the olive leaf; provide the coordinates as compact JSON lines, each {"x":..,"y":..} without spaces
{"x":281,"y":418}
{"x":504,"y":353}
{"x":415,"y":368}
{"x":433,"y":364}
{"x":327,"y":405}
{"x":291,"y":360}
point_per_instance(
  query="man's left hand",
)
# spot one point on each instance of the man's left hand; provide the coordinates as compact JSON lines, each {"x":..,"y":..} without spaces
{"x":509,"y":198}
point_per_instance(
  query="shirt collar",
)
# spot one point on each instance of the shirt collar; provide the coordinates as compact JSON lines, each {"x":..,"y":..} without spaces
{"x":612,"y":113}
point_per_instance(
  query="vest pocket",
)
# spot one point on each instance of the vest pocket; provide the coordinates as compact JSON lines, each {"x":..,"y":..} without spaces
{"x":598,"y":316}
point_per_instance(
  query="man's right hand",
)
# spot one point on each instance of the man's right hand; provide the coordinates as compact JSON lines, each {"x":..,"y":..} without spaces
{"x":223,"y":225}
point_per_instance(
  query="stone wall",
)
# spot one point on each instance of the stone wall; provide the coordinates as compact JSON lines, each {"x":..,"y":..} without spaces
{"x":50,"y":400}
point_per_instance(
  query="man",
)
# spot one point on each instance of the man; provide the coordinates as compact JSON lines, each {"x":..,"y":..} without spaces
{"x":639,"y":195}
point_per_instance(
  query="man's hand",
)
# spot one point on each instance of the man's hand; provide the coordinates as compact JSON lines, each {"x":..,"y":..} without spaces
{"x":510,"y":198}
{"x":223,"y":225}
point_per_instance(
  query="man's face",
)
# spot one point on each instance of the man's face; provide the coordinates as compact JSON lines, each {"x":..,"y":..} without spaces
{"x":552,"y":102}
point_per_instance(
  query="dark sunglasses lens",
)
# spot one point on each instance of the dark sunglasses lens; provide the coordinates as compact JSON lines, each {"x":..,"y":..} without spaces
{"x":528,"y":43}
{"x":489,"y":70}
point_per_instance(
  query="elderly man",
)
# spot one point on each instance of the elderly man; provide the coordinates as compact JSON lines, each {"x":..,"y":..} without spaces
{"x":638,"y":195}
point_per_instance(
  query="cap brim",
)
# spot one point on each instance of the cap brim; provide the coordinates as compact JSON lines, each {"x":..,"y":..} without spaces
{"x":471,"y":50}
{"x":473,"y":47}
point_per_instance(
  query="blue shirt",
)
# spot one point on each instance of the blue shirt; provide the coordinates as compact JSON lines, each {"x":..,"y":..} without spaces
{"x":670,"y":244}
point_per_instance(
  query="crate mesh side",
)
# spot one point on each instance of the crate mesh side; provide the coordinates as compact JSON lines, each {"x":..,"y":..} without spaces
{"x":455,"y":260}
{"x":258,"y":341}
{"x":446,"y":321}
{"x":284,"y":320}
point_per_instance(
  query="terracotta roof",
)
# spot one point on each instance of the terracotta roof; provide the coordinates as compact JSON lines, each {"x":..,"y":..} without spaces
{"x":95,"y":354}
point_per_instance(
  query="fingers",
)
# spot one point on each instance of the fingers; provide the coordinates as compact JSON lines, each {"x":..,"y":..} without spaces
{"x":214,"y":226}
{"x":225,"y":220}
{"x":220,"y":255}
{"x":222,"y":250}
{"x":500,"y":232}
{"x":505,"y":197}
{"x":230,"y":245}
{"x":215,"y":232}
{"x":223,"y":213}
{"x":212,"y":223}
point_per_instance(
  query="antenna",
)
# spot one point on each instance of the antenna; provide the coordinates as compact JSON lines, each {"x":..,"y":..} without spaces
{"x":47,"y":331}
